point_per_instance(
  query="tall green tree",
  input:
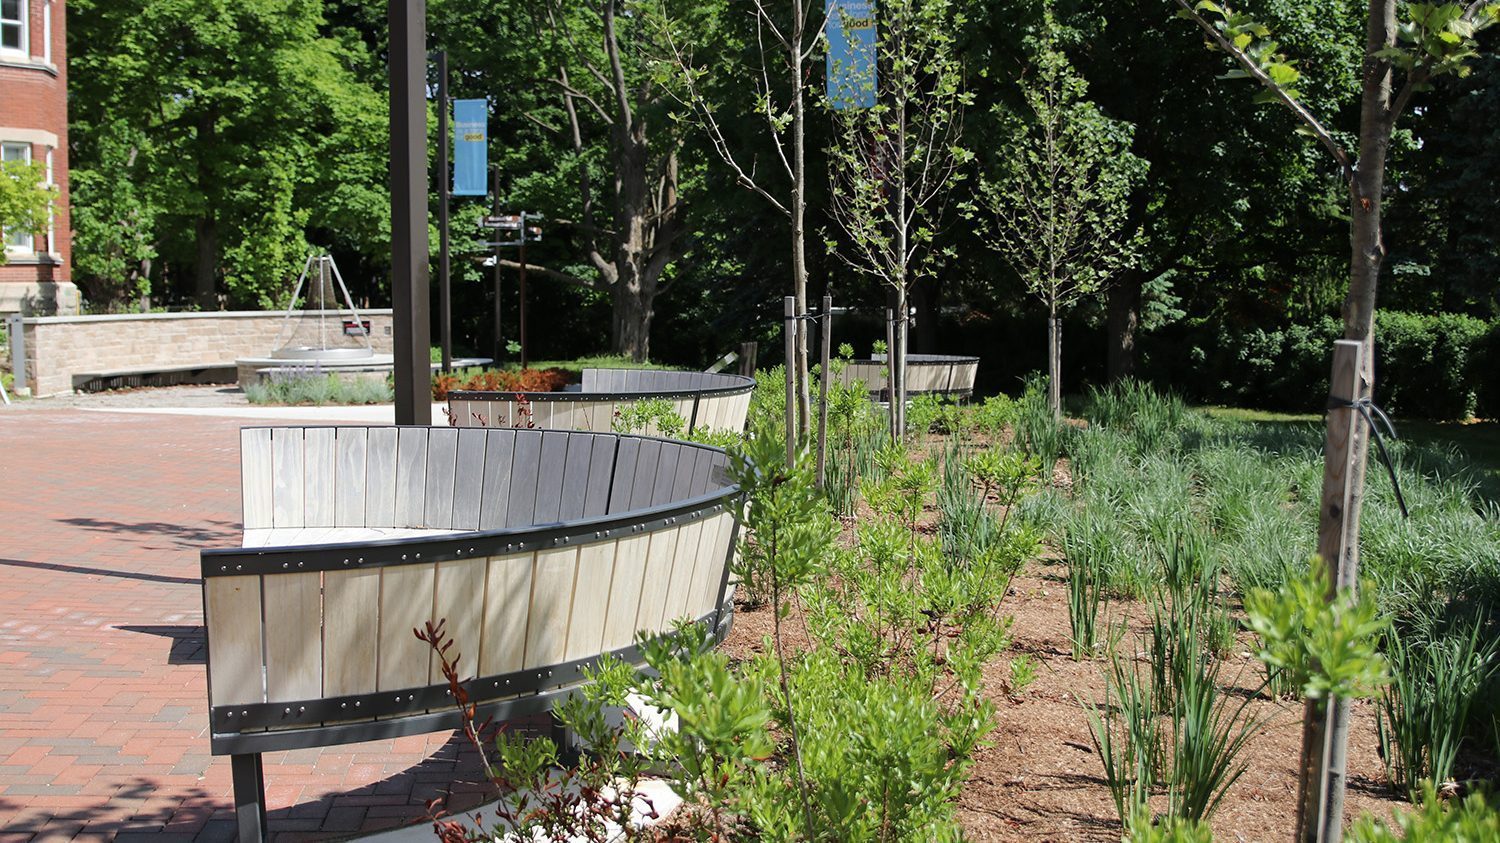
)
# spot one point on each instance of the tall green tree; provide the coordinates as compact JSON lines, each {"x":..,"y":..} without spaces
{"x":242,"y":125}
{"x":895,"y":165}
{"x":1055,"y":198}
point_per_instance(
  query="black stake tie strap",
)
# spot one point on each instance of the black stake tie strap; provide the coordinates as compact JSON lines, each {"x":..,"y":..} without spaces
{"x":1368,"y":410}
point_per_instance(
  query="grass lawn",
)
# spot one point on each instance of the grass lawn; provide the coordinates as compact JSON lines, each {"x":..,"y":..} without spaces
{"x":1479,"y":442}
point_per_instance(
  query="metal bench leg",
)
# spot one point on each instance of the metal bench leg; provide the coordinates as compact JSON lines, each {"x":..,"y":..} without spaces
{"x":249,"y":797}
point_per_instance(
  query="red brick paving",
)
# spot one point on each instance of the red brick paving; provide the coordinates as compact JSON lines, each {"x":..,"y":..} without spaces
{"x":103,"y":712}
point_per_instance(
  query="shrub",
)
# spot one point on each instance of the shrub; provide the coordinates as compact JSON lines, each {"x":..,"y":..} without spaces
{"x":313,"y":387}
{"x":1435,"y":820}
{"x":498,"y":380}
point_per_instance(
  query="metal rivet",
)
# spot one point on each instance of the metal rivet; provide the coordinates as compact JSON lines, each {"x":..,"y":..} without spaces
{"x":343,"y":705}
{"x":301,"y":709}
{"x":239,"y":567}
{"x":223,"y":567}
{"x":286,"y":564}
{"x":448,"y":692}
{"x":356,"y":703}
{"x":245,"y":713}
{"x":346,"y":561}
{"x":403,"y":557}
{"x":419,"y":556}
{"x":507,"y":681}
{"x":231,"y":714}
{"x":300,"y":564}
{"x":410,"y":697}
{"x":288,"y":711}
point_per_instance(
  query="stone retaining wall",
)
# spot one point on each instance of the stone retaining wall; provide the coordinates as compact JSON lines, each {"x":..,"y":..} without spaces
{"x":60,"y":347}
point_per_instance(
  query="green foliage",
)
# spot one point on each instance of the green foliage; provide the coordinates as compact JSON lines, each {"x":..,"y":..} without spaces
{"x":1168,"y":829}
{"x":1325,"y":648}
{"x":1022,"y":674}
{"x":788,"y":533}
{"x":312,"y":387}
{"x":25,"y":198}
{"x":653,"y":417}
{"x":1436,"y":820}
{"x":1437,"y":674}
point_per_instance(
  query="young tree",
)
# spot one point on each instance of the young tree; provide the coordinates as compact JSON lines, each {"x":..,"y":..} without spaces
{"x":25,"y":198}
{"x":1433,"y":40}
{"x":787,"y":44}
{"x":1056,"y":203}
{"x":893,"y":164}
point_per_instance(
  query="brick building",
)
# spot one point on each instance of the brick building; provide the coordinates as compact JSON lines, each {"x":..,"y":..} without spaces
{"x":34,"y":126}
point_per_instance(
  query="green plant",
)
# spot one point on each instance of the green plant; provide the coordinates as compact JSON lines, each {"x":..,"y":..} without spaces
{"x":1126,"y":733}
{"x":654,"y":417}
{"x":1037,"y":429}
{"x":1436,"y":820}
{"x":1436,"y":677}
{"x":1168,"y":829}
{"x":312,"y":387}
{"x":1325,"y":648}
{"x":1022,"y":673}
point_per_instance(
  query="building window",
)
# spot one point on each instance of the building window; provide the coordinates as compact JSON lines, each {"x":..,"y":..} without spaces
{"x":17,"y":241}
{"x":47,"y":31}
{"x":13,"y":27}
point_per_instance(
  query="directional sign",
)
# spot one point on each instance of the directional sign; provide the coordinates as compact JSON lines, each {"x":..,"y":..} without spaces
{"x":510,"y":222}
{"x":471,"y":121}
{"x":851,"y":54}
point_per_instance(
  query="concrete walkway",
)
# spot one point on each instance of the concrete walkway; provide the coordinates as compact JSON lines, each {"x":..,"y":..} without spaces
{"x":103,"y":710}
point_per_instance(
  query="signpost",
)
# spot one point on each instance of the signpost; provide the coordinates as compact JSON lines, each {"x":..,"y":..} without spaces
{"x":523,"y":232}
{"x":851,"y":54}
{"x":445,"y":271}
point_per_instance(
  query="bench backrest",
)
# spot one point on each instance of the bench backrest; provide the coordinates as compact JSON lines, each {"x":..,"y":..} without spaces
{"x":924,"y":373}
{"x":580,"y":543}
{"x":704,"y":400}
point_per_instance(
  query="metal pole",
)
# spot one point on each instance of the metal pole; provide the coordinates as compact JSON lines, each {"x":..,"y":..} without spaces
{"x":445,"y":193}
{"x":826,"y":328}
{"x":521,"y":289}
{"x":890,"y":370}
{"x":789,"y":331}
{"x":499,"y":340}
{"x":410,"y":276}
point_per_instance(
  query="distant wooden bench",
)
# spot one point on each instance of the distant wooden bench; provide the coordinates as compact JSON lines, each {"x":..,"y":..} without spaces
{"x":188,"y":373}
{"x":930,"y":373}
{"x":704,"y":400}
{"x":543,"y":550}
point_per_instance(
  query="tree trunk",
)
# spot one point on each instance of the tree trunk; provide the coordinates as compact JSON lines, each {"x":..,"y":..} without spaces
{"x":1124,"y":320}
{"x":631,"y":322}
{"x":1054,"y":362}
{"x":206,"y":232}
{"x":799,"y":220}
{"x":1320,"y":806}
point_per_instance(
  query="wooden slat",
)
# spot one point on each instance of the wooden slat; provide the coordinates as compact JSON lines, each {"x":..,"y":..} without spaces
{"x":576,"y":476}
{"x":541,"y":415}
{"x":411,"y":476}
{"x":712,"y":551}
{"x":524,"y":468}
{"x":588,"y":380}
{"x":507,"y":606}
{"x":632,"y":381}
{"x":625,"y":593}
{"x":442,"y":471}
{"x":549,"y":479}
{"x":687,"y":470}
{"x":468,"y":485}
{"x":680,"y":582}
{"x":286,"y":477}
{"x":405,"y":604}
{"x":494,"y":500}
{"x":551,"y":601}
{"x":233,"y":625}
{"x":596,"y":569}
{"x":657,"y":579}
{"x":684,"y":408}
{"x":255,"y":477}
{"x":627,"y":456}
{"x":349,"y":476}
{"x":564,"y":415}
{"x":294,"y":636}
{"x":645,"y":474}
{"x":380,"y":478}
{"x":319,"y":475}
{"x":460,"y":602}
{"x":666,"y":472}
{"x":348,"y":645}
{"x":601,"y":472}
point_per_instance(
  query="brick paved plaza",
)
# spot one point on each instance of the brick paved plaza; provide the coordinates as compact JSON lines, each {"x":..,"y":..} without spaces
{"x":103,"y":712}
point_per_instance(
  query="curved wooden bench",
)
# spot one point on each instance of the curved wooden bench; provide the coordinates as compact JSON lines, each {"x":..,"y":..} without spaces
{"x":937,"y":373}
{"x":543,"y":550}
{"x":705,"y":400}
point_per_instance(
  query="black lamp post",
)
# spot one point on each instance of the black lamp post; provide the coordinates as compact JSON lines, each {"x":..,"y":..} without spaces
{"x":410,"y":280}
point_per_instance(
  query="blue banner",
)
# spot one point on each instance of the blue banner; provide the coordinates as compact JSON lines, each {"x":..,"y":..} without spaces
{"x":851,"y":53}
{"x":471,"y":125}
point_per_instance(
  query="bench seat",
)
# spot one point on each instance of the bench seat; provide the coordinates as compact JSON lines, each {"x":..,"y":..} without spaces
{"x":301,"y":536}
